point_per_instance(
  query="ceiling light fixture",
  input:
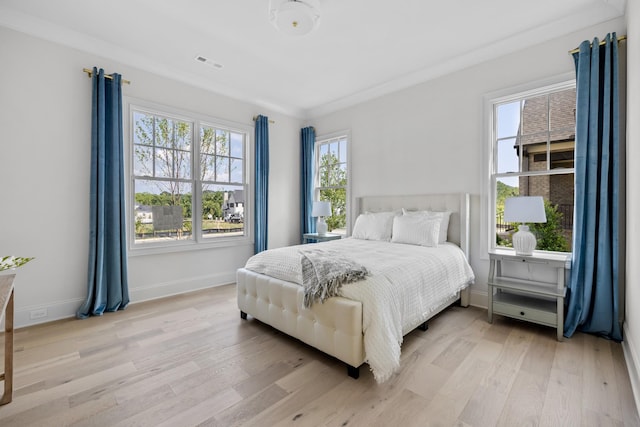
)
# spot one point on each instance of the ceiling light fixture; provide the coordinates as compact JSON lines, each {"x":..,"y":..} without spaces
{"x":295,"y":17}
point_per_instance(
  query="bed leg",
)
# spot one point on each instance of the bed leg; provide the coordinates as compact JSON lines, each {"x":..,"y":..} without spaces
{"x":465,"y":297}
{"x":353,"y":372}
{"x":243,"y":315}
{"x":424,"y":326}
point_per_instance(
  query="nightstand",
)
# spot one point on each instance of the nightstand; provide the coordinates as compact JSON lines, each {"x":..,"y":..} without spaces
{"x":530,"y":288}
{"x":315,"y":237}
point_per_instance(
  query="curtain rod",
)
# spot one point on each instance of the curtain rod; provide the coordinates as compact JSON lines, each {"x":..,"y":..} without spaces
{"x":256,"y":118}
{"x":620,"y":38}
{"x":107,"y":76}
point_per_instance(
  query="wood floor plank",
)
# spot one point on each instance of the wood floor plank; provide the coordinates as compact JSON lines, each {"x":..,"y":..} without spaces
{"x":190,"y":360}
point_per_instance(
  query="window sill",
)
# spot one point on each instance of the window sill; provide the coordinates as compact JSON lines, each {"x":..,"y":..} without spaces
{"x":144,"y":250}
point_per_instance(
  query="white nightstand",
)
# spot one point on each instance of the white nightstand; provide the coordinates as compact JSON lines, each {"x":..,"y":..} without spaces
{"x":315,"y":237}
{"x":530,"y":288}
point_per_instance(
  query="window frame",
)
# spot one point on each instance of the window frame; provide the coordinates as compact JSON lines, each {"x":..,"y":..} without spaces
{"x":324,"y":140}
{"x":488,"y":210}
{"x":197,"y":242}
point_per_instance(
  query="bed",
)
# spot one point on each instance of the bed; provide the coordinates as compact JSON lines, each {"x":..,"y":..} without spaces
{"x":361,"y":326}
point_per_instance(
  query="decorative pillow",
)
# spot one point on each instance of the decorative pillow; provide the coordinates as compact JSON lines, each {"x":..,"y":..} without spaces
{"x":373,"y":226}
{"x":444,"y":220}
{"x":420,"y":230}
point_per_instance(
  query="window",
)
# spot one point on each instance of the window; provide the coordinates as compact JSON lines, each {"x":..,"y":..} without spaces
{"x":332,"y":179}
{"x":532,"y":146}
{"x":188,"y":179}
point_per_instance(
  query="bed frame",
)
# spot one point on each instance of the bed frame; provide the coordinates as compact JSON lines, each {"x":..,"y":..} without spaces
{"x":335,"y":327}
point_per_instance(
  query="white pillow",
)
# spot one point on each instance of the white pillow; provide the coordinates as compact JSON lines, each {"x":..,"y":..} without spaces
{"x":373,"y":226}
{"x":444,"y":220}
{"x":416,"y":230}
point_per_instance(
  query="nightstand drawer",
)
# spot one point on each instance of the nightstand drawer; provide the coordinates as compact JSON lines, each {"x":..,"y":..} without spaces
{"x":526,"y":308}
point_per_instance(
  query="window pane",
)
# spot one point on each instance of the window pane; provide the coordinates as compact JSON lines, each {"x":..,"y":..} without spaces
{"x":507,"y":160}
{"x":143,"y":160}
{"x":172,"y":164}
{"x":562,"y":150}
{"x":164,"y":132}
{"x":143,"y":128}
{"x":207,"y":167}
{"x":237,"y":144}
{"x":222,"y":143}
{"x":182,"y":137}
{"x":535,"y":116}
{"x":343,"y":151}
{"x":183,"y":164}
{"x":557,"y":191}
{"x":324,"y":149}
{"x":164,"y":163}
{"x":333,"y":149}
{"x":236,"y":170}
{"x":323,"y":173}
{"x":562,"y":114}
{"x":222,"y":211}
{"x":222,"y":169}
{"x":508,"y":119}
{"x":207,"y":144}
{"x":162,"y":211}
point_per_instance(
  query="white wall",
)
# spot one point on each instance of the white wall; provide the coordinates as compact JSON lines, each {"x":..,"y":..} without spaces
{"x":431,"y":137}
{"x":631,"y":342}
{"x":45,"y":106}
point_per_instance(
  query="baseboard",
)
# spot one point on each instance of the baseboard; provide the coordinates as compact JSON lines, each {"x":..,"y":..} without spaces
{"x":57,"y":310}
{"x":44,"y":313}
{"x":631,"y":360}
{"x":175,"y":287}
{"x":478,"y":298}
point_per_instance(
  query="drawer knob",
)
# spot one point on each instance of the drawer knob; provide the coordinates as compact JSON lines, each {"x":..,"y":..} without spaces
{"x":522,"y":313}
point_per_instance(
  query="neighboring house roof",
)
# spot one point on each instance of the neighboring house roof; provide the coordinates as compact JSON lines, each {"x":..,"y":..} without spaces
{"x":238,"y":196}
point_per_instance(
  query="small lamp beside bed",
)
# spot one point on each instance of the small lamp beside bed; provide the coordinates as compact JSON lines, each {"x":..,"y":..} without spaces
{"x":524,"y":209}
{"x":321,"y":209}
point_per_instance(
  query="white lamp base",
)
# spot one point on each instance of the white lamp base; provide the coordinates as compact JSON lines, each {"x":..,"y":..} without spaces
{"x":321,"y":226}
{"x":524,"y":242}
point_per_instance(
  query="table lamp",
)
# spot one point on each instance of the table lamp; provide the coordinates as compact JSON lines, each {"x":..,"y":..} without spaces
{"x":524,"y":209}
{"x":320,"y":210}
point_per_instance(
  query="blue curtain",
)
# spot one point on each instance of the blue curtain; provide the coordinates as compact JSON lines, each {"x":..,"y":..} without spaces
{"x":592,"y":300}
{"x":107,"y":285}
{"x":261,"y":183}
{"x":308,"y":140}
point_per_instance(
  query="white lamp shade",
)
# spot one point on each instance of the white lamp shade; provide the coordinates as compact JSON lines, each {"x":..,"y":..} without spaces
{"x":524,"y":209}
{"x":321,"y":208}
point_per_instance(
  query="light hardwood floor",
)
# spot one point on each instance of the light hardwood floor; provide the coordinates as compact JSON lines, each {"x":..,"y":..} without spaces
{"x":190,"y":360}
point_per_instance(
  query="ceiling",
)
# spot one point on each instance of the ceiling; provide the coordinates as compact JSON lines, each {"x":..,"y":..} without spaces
{"x":361,"y":49}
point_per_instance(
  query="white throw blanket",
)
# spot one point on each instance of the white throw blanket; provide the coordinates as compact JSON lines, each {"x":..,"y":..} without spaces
{"x":405,"y":285}
{"x":324,"y":272}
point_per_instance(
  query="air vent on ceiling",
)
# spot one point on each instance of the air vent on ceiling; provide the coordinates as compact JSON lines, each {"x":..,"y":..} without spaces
{"x":208,"y":62}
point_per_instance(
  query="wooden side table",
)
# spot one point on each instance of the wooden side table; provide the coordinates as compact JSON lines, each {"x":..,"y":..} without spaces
{"x":6,"y":304}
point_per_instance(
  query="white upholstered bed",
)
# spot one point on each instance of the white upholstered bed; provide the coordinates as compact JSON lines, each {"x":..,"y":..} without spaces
{"x":336,"y":326}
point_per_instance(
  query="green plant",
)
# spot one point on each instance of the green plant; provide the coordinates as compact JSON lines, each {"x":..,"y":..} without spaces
{"x":549,"y":234}
{"x":10,"y":262}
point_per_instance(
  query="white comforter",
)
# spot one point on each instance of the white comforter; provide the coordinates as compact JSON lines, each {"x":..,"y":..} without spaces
{"x":405,"y":285}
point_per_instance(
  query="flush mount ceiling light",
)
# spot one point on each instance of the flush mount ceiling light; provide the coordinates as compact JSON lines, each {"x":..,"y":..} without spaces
{"x":294,"y":17}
